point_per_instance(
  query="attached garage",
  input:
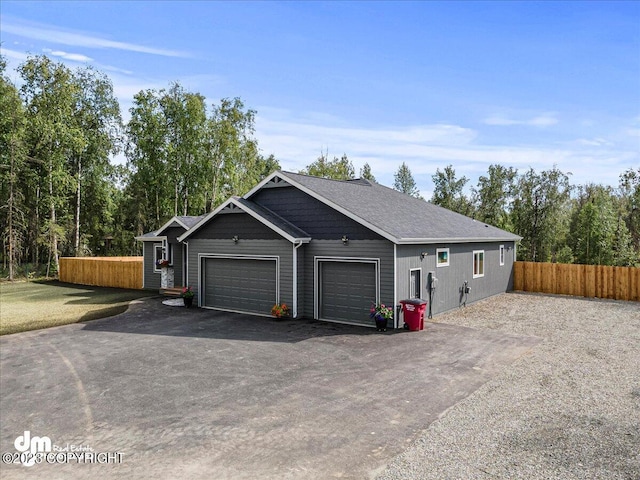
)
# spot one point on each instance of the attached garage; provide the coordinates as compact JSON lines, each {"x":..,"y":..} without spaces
{"x":240,"y":283}
{"x":346,"y":289}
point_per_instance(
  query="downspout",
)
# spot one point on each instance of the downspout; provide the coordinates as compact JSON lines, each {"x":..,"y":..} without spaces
{"x":296,"y":245}
{"x":396,"y":320}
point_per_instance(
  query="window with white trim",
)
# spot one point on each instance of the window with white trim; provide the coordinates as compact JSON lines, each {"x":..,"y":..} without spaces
{"x":415,"y":283}
{"x":442,"y":257}
{"x":478,"y":263}
{"x":158,"y":254}
{"x":501,"y":255}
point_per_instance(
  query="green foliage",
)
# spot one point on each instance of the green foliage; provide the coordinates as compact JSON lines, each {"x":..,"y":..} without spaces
{"x":494,"y":196}
{"x":60,"y":194}
{"x":598,"y":233}
{"x":336,"y":169}
{"x":540,"y":214}
{"x":448,"y":191}
{"x":403,"y":181}
{"x":13,"y":159}
{"x":630,"y":205}
{"x":365,"y":172}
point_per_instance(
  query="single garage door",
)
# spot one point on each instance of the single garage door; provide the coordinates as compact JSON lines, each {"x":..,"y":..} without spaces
{"x":240,"y":284}
{"x":347,"y":290}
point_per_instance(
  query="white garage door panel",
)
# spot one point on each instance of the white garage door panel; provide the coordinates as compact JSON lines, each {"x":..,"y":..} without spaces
{"x":246,"y":285}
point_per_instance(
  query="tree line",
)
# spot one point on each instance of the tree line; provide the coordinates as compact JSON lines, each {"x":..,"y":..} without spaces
{"x":61,"y":194}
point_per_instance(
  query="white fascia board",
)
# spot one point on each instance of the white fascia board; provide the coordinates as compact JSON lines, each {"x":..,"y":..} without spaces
{"x":259,"y":186}
{"x":204,"y":221}
{"x":170,"y":222}
{"x":329,"y":203}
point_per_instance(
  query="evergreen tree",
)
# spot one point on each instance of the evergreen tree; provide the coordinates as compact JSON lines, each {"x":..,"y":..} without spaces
{"x":403,"y":181}
{"x":365,"y":172}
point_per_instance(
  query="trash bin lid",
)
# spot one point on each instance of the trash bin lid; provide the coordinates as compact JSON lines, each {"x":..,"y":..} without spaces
{"x":414,"y":301}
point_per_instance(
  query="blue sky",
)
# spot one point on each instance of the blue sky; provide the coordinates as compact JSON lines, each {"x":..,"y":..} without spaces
{"x":523,"y":84}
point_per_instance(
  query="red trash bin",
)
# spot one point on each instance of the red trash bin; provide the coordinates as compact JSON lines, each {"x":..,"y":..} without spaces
{"x":413,"y":312}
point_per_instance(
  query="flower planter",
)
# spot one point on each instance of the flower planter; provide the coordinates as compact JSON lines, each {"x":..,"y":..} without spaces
{"x":381,"y":324}
{"x":188,"y":301}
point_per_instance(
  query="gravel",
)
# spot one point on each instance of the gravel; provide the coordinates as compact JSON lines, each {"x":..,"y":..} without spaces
{"x":569,"y":409}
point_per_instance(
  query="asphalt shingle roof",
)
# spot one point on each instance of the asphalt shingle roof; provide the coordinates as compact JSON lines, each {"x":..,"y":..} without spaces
{"x":273,"y":218}
{"x":403,"y":217}
{"x":190,"y":221}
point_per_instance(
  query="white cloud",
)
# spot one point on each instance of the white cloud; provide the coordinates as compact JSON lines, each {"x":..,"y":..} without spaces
{"x":59,"y":36}
{"x":544,"y":120}
{"x":74,"y":57}
{"x":14,"y":54}
{"x":298,"y":141}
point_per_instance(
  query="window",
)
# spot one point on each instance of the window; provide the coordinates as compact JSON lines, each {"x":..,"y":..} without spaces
{"x":158,"y":254}
{"x":415,"y":283}
{"x":501,"y":255}
{"x":442,"y":257}
{"x":478,"y":263}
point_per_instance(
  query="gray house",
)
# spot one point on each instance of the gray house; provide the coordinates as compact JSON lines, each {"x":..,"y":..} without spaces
{"x":163,"y":244}
{"x":329,"y":249}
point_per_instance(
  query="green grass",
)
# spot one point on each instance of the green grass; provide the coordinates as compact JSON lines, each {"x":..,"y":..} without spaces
{"x":33,"y":305}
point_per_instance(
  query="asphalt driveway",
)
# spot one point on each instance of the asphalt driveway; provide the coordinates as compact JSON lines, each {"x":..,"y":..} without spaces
{"x":203,"y":394}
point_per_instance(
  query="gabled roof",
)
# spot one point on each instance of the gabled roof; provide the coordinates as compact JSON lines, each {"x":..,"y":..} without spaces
{"x":392,"y":214}
{"x":185,"y":222}
{"x":260,"y":213}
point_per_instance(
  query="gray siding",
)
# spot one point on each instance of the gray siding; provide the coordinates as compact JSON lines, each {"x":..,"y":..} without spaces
{"x":241,"y":224}
{"x":497,"y":279}
{"x":151,"y":278}
{"x":381,"y":249}
{"x":173,"y":233}
{"x":314,"y":217}
{"x":281,"y":248}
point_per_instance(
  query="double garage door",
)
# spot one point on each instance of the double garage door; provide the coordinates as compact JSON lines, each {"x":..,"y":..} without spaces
{"x":240,"y":284}
{"x":345,"y":289}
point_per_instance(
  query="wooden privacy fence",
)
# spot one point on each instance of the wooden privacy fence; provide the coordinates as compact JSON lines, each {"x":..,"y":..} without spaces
{"x":120,"y":272}
{"x":620,"y":283}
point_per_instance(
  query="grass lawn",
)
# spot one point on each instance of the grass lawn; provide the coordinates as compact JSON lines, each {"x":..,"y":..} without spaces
{"x":34,"y":305}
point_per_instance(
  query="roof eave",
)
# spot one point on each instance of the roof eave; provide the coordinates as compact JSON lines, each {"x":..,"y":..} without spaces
{"x":248,"y":211}
{"x":151,"y":239}
{"x":409,"y":241}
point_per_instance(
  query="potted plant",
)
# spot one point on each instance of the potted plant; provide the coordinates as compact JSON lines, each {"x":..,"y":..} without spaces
{"x":381,"y":314}
{"x":187,"y":296}
{"x":280,"y":310}
{"x":162,"y":263}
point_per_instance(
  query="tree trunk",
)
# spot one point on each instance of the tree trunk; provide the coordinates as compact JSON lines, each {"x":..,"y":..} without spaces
{"x":53,"y":245}
{"x":10,"y":214}
{"x":77,"y":239}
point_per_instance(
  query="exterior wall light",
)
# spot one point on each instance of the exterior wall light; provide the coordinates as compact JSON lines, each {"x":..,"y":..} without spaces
{"x":423,"y":254}
{"x":345,"y":240}
{"x":235,"y":239}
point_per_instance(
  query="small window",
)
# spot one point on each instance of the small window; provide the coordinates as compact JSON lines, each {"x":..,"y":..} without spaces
{"x":415,"y":283}
{"x":158,"y":254}
{"x":501,"y":255}
{"x":478,"y":263}
{"x":442,"y":257}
